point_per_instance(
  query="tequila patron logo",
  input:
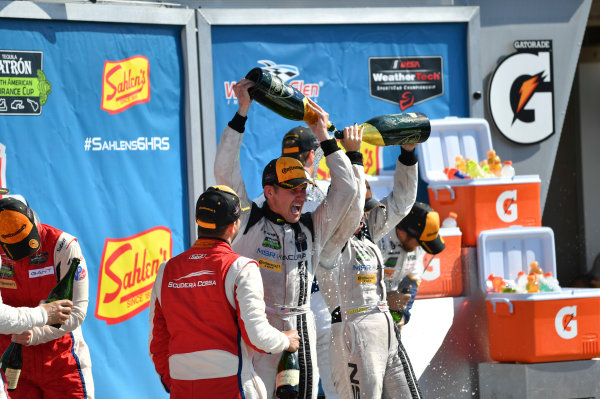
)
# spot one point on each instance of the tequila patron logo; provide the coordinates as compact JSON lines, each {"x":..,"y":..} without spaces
{"x":125,"y":83}
{"x":127,"y":273}
{"x":522,"y":93}
{"x":23,"y":85}
{"x":406,"y":81}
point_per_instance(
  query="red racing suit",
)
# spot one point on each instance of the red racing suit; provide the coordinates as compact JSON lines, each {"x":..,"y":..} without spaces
{"x":207,"y":317}
{"x":57,"y":362}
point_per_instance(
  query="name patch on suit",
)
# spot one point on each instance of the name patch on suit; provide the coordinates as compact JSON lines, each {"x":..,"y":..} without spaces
{"x":276,"y":267}
{"x":45,"y":271}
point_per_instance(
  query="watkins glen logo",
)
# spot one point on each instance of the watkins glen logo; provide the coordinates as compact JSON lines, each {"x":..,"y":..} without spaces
{"x":125,"y":83}
{"x":127,"y":272}
{"x":286,"y":73}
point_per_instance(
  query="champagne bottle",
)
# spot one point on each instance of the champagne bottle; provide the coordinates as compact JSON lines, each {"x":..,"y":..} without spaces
{"x":395,"y":129}
{"x":288,"y":376}
{"x":64,"y":288}
{"x":283,"y":99}
{"x":11,"y":363}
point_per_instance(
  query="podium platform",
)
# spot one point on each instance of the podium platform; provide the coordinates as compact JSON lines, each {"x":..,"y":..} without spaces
{"x":556,"y":380}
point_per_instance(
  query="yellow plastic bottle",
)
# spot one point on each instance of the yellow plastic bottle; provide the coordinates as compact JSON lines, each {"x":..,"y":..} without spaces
{"x":473,"y":169}
{"x":494,"y":163}
{"x":460,"y":163}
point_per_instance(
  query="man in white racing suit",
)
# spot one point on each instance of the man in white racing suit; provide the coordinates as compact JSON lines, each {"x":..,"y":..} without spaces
{"x":368,"y":360}
{"x":285,"y":242}
{"x":403,"y":251}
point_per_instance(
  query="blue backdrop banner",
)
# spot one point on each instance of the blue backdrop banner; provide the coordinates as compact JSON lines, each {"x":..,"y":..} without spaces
{"x":355,"y":72}
{"x":91,"y":132}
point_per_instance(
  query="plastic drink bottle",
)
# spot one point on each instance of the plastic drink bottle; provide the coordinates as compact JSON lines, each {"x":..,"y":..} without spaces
{"x":460,"y":163}
{"x":494,"y":163}
{"x":450,"y":221}
{"x":453,"y":173}
{"x":285,"y":100}
{"x":11,"y":363}
{"x":508,"y":170}
{"x":550,"y":282}
{"x":532,"y":284}
{"x":288,"y":376}
{"x":473,"y":169}
{"x":485,"y":168}
{"x":522,"y":282}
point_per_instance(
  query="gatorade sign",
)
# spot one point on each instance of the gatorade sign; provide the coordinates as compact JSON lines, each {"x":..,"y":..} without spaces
{"x":521,"y":95}
{"x":565,"y":323}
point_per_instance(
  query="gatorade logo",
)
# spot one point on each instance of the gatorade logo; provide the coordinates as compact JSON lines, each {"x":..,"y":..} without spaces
{"x":565,"y":323}
{"x":432,"y":271}
{"x":506,"y":206}
{"x":522,"y":93}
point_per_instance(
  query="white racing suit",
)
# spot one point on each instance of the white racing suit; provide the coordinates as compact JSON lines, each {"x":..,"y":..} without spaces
{"x":368,"y":360}
{"x":287,"y":254}
{"x":402,"y":270}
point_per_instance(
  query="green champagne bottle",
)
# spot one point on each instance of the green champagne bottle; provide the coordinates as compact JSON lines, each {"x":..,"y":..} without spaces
{"x":64,"y":288}
{"x":283,"y":99}
{"x":288,"y":376}
{"x":395,"y":129}
{"x":11,"y":363}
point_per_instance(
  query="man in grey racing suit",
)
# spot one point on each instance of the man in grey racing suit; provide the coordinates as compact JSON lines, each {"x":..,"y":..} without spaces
{"x":368,"y":360}
{"x":286,"y":243}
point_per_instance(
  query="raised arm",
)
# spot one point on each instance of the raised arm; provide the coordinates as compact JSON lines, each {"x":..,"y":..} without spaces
{"x":399,"y":202}
{"x":343,"y":188}
{"x":350,"y":221}
{"x":227,"y":161}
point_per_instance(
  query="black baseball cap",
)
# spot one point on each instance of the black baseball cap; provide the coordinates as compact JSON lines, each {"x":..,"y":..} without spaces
{"x":218,"y":206}
{"x":19,"y":235}
{"x":284,"y":172}
{"x":423,"y":223}
{"x":370,"y":202}
{"x":298,"y":140}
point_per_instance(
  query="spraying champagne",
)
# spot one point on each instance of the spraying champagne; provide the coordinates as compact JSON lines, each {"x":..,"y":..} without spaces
{"x":283,"y":99}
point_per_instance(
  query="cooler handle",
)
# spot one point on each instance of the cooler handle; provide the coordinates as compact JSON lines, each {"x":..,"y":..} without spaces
{"x":493,"y":301}
{"x":435,"y":190}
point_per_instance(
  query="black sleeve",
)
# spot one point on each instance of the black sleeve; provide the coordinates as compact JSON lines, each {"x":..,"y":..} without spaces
{"x":407,"y":158}
{"x":238,"y":123}
{"x":329,"y":146}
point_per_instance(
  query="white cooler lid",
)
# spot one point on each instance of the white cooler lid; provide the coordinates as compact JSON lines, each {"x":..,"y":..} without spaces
{"x":505,"y":252}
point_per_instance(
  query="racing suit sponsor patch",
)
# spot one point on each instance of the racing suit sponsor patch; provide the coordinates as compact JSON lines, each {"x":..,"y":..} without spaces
{"x":45,"y":271}
{"x":366,"y":278}
{"x":39,"y":258}
{"x":4,"y":283}
{"x":276,"y":267}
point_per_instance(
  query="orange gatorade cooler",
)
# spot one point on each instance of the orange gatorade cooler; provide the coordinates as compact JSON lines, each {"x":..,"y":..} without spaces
{"x":535,"y":327}
{"x":442,"y":273}
{"x":482,"y":203}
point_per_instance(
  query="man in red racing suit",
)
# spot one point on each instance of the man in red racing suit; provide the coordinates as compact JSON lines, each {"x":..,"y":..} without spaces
{"x":35,"y":256}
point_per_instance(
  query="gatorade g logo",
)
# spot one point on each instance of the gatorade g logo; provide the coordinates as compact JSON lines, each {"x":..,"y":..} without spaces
{"x":522,"y":93}
{"x":565,"y":323}
{"x":506,"y":206}
{"x":127,"y":272}
{"x":432,"y":271}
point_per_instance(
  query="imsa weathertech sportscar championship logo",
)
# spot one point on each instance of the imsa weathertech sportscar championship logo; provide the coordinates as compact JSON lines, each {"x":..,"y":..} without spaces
{"x":127,"y":272}
{"x":125,"y":83}
{"x":522,"y":93}
{"x":406,"y":80}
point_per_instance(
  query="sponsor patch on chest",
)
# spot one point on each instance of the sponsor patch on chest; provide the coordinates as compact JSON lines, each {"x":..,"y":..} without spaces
{"x":45,"y":271}
{"x":366,"y":278}
{"x":4,"y":283}
{"x":267,"y":264}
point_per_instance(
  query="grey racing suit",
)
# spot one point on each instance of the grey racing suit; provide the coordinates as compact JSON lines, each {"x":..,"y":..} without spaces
{"x":366,"y":360}
{"x":287,"y":253}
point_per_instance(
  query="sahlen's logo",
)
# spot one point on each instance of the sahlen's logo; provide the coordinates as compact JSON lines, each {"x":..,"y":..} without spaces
{"x":522,"y":93}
